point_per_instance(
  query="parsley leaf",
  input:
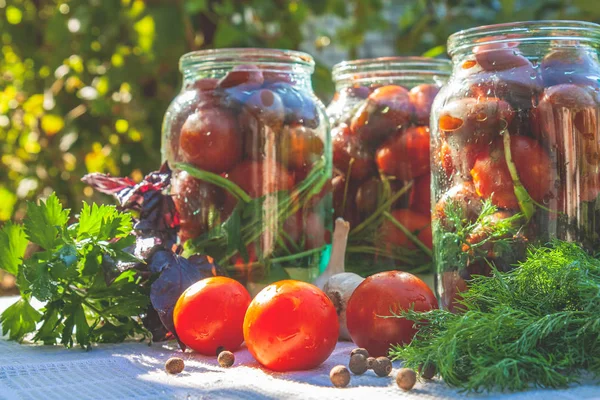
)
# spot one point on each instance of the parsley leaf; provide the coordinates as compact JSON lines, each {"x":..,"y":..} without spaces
{"x":13,"y":243}
{"x":44,"y":221}
{"x":19,"y":319}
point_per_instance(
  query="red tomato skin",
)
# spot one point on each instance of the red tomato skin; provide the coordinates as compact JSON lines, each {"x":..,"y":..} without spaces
{"x":406,"y":155}
{"x":210,"y":314}
{"x":417,"y":223}
{"x":379,"y":295}
{"x":291,"y":326}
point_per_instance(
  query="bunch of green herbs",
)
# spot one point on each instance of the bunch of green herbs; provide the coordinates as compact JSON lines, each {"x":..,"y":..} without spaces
{"x":535,"y":326}
{"x":76,"y":274}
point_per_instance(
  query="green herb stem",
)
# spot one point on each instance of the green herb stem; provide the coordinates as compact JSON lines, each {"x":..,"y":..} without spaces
{"x":215,"y":179}
{"x":408,"y":233}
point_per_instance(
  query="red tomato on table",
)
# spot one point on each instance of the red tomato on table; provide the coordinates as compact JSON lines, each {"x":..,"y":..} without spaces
{"x":291,"y":325}
{"x":210,"y":314}
{"x":380,"y":295}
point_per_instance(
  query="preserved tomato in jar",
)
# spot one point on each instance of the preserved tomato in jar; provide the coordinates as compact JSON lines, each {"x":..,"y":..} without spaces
{"x":381,"y":156}
{"x":250,"y":148}
{"x":515,"y":147}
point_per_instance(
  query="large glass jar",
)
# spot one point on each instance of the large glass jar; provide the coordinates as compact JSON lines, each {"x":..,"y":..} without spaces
{"x":381,"y":183}
{"x":515,"y":147}
{"x":250,"y":147}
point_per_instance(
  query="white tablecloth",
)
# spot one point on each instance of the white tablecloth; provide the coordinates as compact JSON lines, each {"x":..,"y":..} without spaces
{"x":136,"y":371}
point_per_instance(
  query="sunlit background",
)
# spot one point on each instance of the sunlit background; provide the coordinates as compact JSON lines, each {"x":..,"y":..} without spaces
{"x":84,"y":84}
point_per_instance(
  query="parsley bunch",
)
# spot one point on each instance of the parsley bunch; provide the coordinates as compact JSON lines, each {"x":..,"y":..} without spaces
{"x":82,"y":273}
{"x":535,"y":326}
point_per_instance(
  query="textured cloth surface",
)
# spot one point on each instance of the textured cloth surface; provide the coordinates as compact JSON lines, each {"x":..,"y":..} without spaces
{"x":136,"y":371}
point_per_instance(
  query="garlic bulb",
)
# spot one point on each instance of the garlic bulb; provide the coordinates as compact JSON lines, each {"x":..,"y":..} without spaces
{"x":337,"y":284}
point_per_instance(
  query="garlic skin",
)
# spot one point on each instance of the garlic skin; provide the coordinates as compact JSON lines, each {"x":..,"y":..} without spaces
{"x":339,"y":289}
{"x":337,"y":284}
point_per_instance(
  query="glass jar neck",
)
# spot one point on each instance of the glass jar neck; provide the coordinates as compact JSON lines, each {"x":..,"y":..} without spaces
{"x":291,"y":66}
{"x":533,"y":38}
{"x":406,"y":71}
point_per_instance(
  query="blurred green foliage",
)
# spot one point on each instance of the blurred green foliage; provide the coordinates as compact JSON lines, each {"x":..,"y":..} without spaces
{"x":84,"y":83}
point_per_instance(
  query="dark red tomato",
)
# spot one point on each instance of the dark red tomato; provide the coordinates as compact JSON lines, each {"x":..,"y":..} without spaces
{"x":381,"y":295}
{"x":570,"y":65}
{"x":259,"y":178}
{"x":197,"y":202}
{"x":386,"y":110}
{"x":290,"y":326}
{"x":492,"y":178}
{"x":210,"y":140}
{"x":474,"y":119}
{"x":418,"y":224}
{"x":210,"y":314}
{"x":500,"y":57}
{"x":357,"y":91}
{"x":406,"y":155}
{"x":300,"y":147}
{"x":420,"y":195}
{"x":462,"y":195}
{"x":350,"y":155}
{"x":300,"y":107}
{"x":368,"y":195}
{"x":266,"y":107}
{"x":246,"y":77}
{"x":421,"y":98}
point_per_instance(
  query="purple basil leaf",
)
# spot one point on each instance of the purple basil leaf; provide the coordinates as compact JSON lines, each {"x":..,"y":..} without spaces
{"x":152,"y":322}
{"x":176,"y":275}
{"x":108,"y":184}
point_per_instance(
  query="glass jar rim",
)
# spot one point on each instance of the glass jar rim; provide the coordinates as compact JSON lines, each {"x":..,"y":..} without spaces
{"x":524,"y":31}
{"x":274,"y":59}
{"x":388,"y":67}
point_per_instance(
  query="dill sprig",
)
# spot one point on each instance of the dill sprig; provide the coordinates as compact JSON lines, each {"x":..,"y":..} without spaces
{"x":535,"y":326}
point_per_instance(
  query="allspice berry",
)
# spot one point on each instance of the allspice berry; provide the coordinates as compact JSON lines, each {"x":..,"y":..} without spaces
{"x":226,"y":359}
{"x":382,"y":366}
{"x":370,"y":362}
{"x":358,"y":364}
{"x":340,"y":376}
{"x":406,"y":379}
{"x":360,"y":350}
{"x":174,"y":365}
{"x":427,"y":372}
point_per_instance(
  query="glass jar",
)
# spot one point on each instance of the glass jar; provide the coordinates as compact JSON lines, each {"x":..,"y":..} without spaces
{"x":515,"y":147}
{"x":381,"y":183}
{"x":249,"y":145}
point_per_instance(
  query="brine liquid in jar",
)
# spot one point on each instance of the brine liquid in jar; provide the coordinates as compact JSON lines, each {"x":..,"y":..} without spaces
{"x":381,"y":182}
{"x":250,"y":147}
{"x":515,"y":147}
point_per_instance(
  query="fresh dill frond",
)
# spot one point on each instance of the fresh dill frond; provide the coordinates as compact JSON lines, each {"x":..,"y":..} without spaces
{"x":537,"y":325}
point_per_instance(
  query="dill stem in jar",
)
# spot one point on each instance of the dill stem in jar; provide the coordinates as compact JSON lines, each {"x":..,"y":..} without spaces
{"x":408,"y":234}
{"x":217,"y":180}
{"x":525,"y":200}
{"x":385,"y":206}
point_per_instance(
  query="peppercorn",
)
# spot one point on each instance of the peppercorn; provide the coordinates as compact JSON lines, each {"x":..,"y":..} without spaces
{"x":370,"y":362}
{"x":427,"y":372}
{"x":340,"y":376}
{"x":358,"y":364}
{"x":226,"y":359}
{"x":360,"y":350}
{"x":406,"y":379}
{"x":382,"y":366}
{"x":174,"y":365}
